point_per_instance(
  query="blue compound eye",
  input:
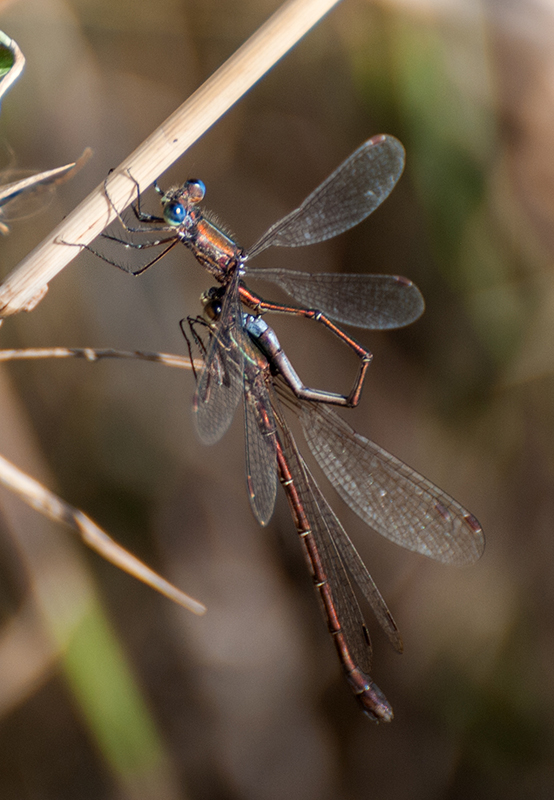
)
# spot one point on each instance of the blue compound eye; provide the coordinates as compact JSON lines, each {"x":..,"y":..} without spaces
{"x":195,"y":190}
{"x":175,"y":213}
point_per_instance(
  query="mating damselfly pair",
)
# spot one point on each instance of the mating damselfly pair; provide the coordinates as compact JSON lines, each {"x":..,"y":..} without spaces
{"x":243,"y":359}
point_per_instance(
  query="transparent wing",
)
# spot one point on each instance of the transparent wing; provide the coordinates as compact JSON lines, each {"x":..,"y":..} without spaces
{"x":348,"y":196}
{"x":220,"y":385}
{"x":356,"y":568}
{"x":260,"y":433}
{"x":388,"y":495}
{"x":348,"y":610}
{"x":377,"y":302}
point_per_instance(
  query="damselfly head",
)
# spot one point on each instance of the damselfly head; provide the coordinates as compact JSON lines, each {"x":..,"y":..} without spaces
{"x":177,"y":203}
{"x":212,"y":301}
{"x":195,"y":190}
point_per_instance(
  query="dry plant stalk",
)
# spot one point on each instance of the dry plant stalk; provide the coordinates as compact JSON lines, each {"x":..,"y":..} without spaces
{"x":89,"y":354}
{"x":42,"y":499}
{"x":51,"y":177}
{"x":34,"y":185}
{"x":27,"y":284}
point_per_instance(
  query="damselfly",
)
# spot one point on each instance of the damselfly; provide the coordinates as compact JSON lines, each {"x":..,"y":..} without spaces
{"x":352,"y":192}
{"x":244,"y":358}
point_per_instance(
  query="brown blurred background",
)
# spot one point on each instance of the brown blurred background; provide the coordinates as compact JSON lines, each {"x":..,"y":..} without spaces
{"x":106,"y":689}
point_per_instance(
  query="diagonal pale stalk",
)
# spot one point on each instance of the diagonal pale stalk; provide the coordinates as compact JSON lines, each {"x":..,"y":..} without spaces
{"x":32,"y":187}
{"x":45,"y":501}
{"x":28,"y":283}
{"x":42,"y":499}
{"x":51,"y":177}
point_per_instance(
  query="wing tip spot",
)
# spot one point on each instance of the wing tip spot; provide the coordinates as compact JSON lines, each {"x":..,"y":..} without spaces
{"x":473,"y":524}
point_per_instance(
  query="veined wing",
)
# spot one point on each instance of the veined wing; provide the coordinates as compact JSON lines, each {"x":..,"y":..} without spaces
{"x":377,"y":302}
{"x":260,"y":433}
{"x":220,"y":385}
{"x":322,"y":520}
{"x":356,"y":567}
{"x":355,"y":189}
{"x":388,"y":495}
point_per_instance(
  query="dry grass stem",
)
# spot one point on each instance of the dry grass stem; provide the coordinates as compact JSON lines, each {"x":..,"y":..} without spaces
{"x":26,"y":285}
{"x":52,"y":177}
{"x":40,"y":498}
{"x":90,"y":354}
{"x":37,"y":496}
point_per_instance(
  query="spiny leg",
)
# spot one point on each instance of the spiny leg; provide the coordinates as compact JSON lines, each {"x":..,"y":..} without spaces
{"x":258,"y":304}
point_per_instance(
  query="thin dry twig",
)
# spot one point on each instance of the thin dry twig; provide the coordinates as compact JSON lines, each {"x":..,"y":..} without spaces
{"x":39,"y":497}
{"x":51,"y":177}
{"x":42,"y":499}
{"x":27,"y":284}
{"x":90,"y":354}
{"x":34,"y":187}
